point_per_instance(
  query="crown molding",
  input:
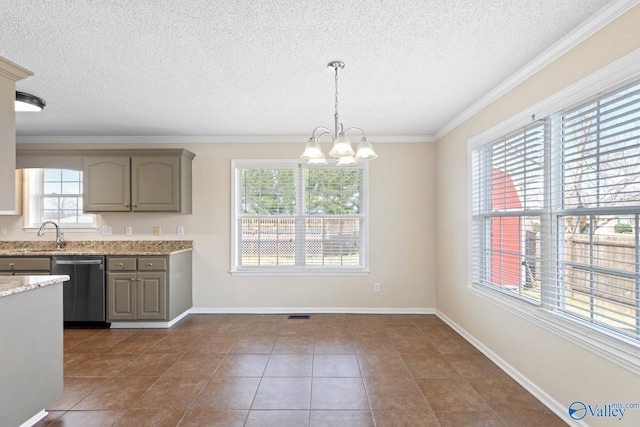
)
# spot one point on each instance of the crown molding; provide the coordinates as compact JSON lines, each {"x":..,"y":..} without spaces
{"x":613,"y":74}
{"x":588,"y":28}
{"x":223,"y":139}
{"x":13,"y":71}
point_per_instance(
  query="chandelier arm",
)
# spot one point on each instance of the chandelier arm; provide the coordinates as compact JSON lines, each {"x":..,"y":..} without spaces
{"x":354,"y":128}
{"x":326,"y":130}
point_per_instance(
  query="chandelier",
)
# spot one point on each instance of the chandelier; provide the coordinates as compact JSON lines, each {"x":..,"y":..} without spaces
{"x":342,"y":150}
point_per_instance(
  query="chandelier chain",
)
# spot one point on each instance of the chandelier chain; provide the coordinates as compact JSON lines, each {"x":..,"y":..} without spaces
{"x":336,"y":90}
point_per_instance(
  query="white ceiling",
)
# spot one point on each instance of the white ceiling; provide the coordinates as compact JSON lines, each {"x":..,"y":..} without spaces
{"x":250,"y":70}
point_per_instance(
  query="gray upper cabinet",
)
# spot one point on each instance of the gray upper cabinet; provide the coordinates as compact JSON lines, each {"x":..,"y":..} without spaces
{"x":107,"y":184}
{"x":145,"y":181}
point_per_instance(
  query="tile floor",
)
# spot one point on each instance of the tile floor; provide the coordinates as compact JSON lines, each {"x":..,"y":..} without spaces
{"x":331,"y":370}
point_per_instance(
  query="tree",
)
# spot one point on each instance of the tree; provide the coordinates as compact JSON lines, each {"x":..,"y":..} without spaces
{"x":601,"y":161}
{"x":268,"y":191}
{"x":333,"y":191}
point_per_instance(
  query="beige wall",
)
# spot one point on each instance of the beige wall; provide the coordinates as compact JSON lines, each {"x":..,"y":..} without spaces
{"x":402,"y":233}
{"x":563,"y":370}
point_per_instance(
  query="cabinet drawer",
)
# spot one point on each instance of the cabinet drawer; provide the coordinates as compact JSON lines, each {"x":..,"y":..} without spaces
{"x":152,"y":263}
{"x":121,"y":264}
{"x":22,"y":264}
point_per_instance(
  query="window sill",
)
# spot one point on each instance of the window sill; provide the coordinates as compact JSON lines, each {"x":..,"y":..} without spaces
{"x":623,"y":353}
{"x":298,"y":272}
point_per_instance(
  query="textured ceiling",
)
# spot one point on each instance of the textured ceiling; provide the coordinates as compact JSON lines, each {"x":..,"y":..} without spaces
{"x":257,"y":69}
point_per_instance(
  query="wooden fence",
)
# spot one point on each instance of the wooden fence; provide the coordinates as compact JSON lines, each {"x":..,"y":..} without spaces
{"x":611,"y":254}
{"x":334,"y":236}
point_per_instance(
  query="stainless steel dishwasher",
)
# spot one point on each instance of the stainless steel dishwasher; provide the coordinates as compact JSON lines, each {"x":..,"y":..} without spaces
{"x":83,"y":295}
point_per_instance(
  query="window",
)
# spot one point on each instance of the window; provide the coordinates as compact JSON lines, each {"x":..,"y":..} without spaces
{"x":508,"y":202}
{"x":292,"y":217}
{"x":556,"y":213}
{"x":55,"y":195}
{"x":597,"y":184}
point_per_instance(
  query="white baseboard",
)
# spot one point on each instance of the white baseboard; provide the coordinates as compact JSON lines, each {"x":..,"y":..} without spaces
{"x":308,"y":310}
{"x":269,"y":310}
{"x":555,"y":406}
{"x":149,"y":325}
{"x":34,"y":420}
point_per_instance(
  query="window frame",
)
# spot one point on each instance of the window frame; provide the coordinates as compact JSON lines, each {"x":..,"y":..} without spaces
{"x":512,"y":146}
{"x":33,"y":195}
{"x":296,"y":270}
{"x":619,"y":349}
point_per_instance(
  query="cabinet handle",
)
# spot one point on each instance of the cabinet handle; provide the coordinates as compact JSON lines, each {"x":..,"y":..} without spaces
{"x":150,"y":264}
{"x":132,"y":279}
{"x":11,"y":264}
{"x":126,"y":205}
{"x":135,"y":205}
{"x":138,"y":279}
{"x":120,"y":264}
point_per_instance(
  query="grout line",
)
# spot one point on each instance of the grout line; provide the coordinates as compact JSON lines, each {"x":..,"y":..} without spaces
{"x":325,"y":335}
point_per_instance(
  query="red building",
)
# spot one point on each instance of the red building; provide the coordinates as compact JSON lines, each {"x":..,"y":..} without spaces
{"x":505,"y":232}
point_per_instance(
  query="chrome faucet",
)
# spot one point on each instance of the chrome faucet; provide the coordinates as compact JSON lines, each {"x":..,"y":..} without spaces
{"x":59,"y":234}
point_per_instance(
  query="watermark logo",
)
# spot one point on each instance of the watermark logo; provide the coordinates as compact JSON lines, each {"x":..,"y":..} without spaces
{"x":579,"y":410}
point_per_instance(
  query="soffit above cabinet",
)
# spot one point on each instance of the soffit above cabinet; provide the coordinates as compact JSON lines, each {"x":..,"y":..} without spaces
{"x":73,"y":159}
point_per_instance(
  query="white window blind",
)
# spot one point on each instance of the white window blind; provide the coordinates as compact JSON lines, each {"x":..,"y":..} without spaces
{"x":556,"y":213}
{"x":298,"y":217}
{"x":596,"y":214}
{"x":508,"y":201}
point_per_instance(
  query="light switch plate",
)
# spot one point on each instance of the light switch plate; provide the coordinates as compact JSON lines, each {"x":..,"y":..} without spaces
{"x":128,"y":230}
{"x":106,"y":230}
{"x":180,"y":230}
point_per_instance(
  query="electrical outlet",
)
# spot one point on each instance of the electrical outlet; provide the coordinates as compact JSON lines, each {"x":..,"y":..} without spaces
{"x":156,"y":230}
{"x":3,"y":231}
{"x":180,"y":230}
{"x":376,"y":287}
{"x":128,"y":230}
{"x":106,"y":230}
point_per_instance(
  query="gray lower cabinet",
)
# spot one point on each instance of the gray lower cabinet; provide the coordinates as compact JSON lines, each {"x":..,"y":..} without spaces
{"x":136,"y":296}
{"x":148,"y":288}
{"x":22,"y":266}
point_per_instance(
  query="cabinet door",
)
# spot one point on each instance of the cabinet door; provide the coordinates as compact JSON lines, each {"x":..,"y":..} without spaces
{"x":152,"y":301}
{"x":107,"y":184}
{"x":121,"y":296}
{"x":155,"y":184}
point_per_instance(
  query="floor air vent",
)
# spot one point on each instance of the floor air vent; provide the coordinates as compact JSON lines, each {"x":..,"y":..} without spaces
{"x":299,"y":316}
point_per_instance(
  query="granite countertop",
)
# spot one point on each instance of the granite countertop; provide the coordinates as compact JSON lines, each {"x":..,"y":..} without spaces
{"x":99,"y":247}
{"x":10,"y":285}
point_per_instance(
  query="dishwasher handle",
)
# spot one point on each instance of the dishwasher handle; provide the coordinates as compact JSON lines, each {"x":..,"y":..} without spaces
{"x":78,"y":262}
